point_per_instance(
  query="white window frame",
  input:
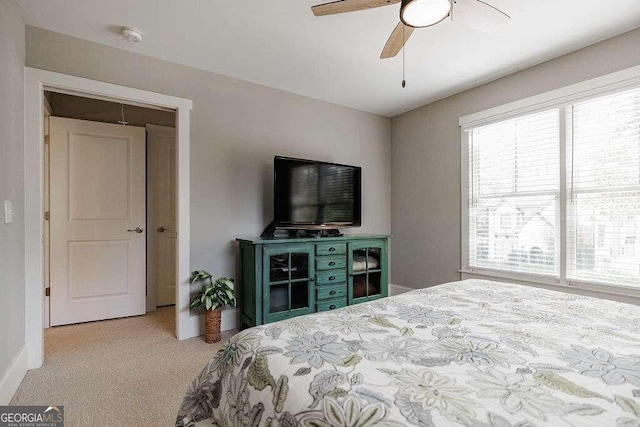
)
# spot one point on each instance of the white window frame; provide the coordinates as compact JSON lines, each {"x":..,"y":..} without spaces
{"x":562,"y":99}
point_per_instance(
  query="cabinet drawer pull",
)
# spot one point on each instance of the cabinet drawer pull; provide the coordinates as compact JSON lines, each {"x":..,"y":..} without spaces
{"x":332,"y":307}
{"x":332,"y":249}
{"x":332,"y":263}
{"x":332,"y":293}
{"x":332,"y":278}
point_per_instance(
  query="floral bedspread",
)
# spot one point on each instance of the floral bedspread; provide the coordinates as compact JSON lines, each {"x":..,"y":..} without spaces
{"x":473,"y":353}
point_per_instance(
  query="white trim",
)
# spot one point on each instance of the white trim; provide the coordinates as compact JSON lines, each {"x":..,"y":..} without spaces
{"x":556,"y":98}
{"x":398,"y":289}
{"x":13,"y":376}
{"x":34,"y":221}
{"x":464,"y":202}
{"x":183,"y":264}
{"x":629,"y":295}
{"x":523,"y":277}
{"x":35,"y":82}
{"x":57,"y":82}
{"x":561,"y":212}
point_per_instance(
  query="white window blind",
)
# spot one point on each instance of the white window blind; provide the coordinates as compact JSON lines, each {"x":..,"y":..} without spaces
{"x":516,"y":217}
{"x":514,"y":195}
{"x":604,"y":189}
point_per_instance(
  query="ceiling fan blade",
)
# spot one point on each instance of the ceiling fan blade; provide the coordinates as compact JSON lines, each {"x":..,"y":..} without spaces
{"x":479,"y":15}
{"x":349,"y":6}
{"x":396,"y":40}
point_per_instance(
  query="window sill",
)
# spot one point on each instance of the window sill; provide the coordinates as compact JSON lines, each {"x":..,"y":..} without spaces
{"x":520,"y":277}
{"x":554,"y":282}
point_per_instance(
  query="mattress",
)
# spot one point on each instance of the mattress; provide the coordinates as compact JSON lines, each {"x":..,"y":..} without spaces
{"x":473,"y":353}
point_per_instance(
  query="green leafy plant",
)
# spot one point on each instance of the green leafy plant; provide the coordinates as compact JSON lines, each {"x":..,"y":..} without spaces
{"x":214,"y":294}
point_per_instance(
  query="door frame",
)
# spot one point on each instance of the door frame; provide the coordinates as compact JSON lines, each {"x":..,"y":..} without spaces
{"x":36,"y":81}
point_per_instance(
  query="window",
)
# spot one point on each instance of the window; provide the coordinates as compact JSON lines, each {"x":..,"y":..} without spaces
{"x":514,"y":194}
{"x":604,"y":189}
{"x":557,"y":193}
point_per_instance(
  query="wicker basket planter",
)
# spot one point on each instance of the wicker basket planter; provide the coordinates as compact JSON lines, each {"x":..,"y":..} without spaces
{"x":213,"y":296}
{"x":212,"y":325}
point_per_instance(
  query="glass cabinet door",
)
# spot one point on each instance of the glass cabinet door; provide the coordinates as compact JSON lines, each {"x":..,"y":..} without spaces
{"x":288,"y":281}
{"x":367,"y":271}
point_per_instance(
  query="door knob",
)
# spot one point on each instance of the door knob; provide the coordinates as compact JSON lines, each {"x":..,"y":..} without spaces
{"x":137,"y":230}
{"x":162,"y":229}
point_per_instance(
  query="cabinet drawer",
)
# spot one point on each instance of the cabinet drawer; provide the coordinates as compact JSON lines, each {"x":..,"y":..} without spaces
{"x":330,"y":292}
{"x":331,"y":248}
{"x":331,"y":263}
{"x":331,"y":276}
{"x":332,"y":304}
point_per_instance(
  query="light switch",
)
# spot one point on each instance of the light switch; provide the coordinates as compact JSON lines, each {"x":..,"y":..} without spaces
{"x":8,"y":212}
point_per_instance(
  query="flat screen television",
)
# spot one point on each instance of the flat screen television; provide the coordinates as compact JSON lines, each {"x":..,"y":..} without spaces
{"x":310,"y":194}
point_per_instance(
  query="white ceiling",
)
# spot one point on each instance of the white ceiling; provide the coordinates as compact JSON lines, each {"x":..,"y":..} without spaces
{"x":279,"y":43}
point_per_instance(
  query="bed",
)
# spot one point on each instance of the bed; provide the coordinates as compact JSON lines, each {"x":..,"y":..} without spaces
{"x":475,"y":353}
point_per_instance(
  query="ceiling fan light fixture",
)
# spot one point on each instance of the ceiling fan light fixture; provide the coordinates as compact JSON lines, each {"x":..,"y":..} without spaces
{"x":424,"y":13}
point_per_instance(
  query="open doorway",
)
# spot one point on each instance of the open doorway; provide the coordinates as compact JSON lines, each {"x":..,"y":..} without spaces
{"x":110,"y":200}
{"x":36,"y":82}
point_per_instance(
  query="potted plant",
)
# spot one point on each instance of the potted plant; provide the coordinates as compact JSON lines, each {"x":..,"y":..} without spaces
{"x":213,"y":296}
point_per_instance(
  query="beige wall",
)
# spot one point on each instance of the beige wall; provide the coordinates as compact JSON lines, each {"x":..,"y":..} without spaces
{"x":236,"y":129}
{"x":425,"y":158}
{"x":12,"y":292}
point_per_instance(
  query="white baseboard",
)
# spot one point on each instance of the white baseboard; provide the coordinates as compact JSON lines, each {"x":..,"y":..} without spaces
{"x":398,"y":289}
{"x":13,"y":376}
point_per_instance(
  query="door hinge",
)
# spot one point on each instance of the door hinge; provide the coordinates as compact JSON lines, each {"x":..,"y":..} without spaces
{"x":46,"y":216}
{"x":46,"y":139}
{"x":47,"y":292}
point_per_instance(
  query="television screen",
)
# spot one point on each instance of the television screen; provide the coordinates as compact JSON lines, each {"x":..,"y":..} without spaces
{"x":311,"y":193}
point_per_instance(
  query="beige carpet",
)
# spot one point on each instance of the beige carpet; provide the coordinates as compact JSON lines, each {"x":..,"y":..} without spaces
{"x":130,"y":371}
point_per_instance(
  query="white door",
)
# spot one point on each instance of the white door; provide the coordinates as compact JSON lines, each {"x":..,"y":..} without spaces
{"x":97,"y":203}
{"x":161,"y":146}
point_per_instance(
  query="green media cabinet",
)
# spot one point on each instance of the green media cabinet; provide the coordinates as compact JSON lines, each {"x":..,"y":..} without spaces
{"x":281,"y":278}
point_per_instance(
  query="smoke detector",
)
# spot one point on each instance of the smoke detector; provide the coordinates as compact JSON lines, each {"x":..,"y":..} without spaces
{"x":131,"y":34}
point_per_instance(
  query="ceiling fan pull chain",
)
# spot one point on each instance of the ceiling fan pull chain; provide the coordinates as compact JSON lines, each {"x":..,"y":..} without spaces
{"x":404,"y":82}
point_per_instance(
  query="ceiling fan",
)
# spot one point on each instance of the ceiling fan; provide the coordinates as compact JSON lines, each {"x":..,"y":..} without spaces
{"x":475,"y":14}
